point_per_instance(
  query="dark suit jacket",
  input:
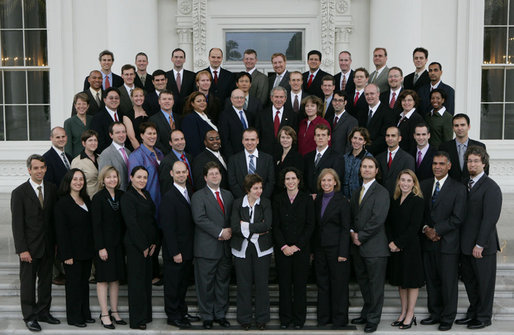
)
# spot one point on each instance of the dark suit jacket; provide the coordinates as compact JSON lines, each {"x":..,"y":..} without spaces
{"x":176,"y":222}
{"x":164,"y":130}
{"x":359,"y":109}
{"x":330,"y":159}
{"x":165,"y":179}
{"x":226,"y":84}
{"x":384,"y":99}
{"x":289,"y":104}
{"x":377,"y":126}
{"x":368,"y":220}
{"x":151,"y":104}
{"x":237,"y":171}
{"x":117,"y":81}
{"x":231,"y":130}
{"x":315,"y":88}
{"x":100,"y":123}
{"x":199,"y":162}
{"x":125,"y":101}
{"x":424,"y":170}
{"x":333,"y":228}
{"x":340,"y":133}
{"x":292,"y":159}
{"x":186,"y":88}
{"x":283,"y":83}
{"x":408,"y":81}
{"x":424,"y":98}
{"x":148,"y":87}
{"x":264,"y":124}
{"x":55,"y":169}
{"x":262,"y":221}
{"x":194,"y":129}
{"x":483,"y":211}
{"x":455,"y":172}
{"x":350,"y":85}
{"x":33,"y":226}
{"x":401,"y":161}
{"x":254,"y":107}
{"x":446,"y":215}
{"x":407,"y":127}
{"x":94,"y":107}
{"x":108,"y":225}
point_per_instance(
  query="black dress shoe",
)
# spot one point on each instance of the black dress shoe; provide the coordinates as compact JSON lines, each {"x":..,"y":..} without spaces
{"x":106,"y":325}
{"x":182,"y":324}
{"x":33,"y":326}
{"x":298,"y":326}
{"x":245,"y":326}
{"x":78,"y":324}
{"x":89,"y":320}
{"x":49,"y":319}
{"x":158,"y":283}
{"x":464,"y":321}
{"x":359,"y":321}
{"x":477,"y":324}
{"x":191,"y":318}
{"x":142,"y":326}
{"x":396,"y":323}
{"x":207,"y":324}
{"x":370,"y":328}
{"x":429,"y":321}
{"x":223,"y":322}
{"x":284,"y":325}
{"x":261,"y":326}
{"x":444,"y":326}
{"x":118,"y":322}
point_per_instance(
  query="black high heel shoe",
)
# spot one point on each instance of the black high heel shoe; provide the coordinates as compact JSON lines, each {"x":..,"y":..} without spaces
{"x":397,"y":323}
{"x":110,"y":326}
{"x":118,"y":322}
{"x":407,"y":326}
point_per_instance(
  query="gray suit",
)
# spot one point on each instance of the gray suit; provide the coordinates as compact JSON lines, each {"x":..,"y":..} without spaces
{"x":212,"y":256}
{"x":111,"y":156}
{"x":370,"y":258}
{"x":259,"y":88}
{"x":381,"y":80}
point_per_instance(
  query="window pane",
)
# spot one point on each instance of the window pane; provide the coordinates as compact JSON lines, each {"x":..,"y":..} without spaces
{"x":14,"y":82}
{"x":509,"y":85}
{"x":492,"y":85}
{"x":2,"y":131}
{"x":10,"y":14}
{"x":16,"y":122}
{"x":35,"y":13}
{"x":265,"y":43}
{"x":39,"y":119}
{"x":509,"y":121}
{"x":1,"y":91}
{"x":38,"y":86}
{"x":495,"y":45}
{"x":491,"y":121}
{"x":12,"y":48}
{"x":35,"y":48}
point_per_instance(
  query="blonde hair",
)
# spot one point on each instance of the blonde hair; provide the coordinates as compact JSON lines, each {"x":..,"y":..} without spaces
{"x":103,"y":172}
{"x":416,"y":189}
{"x":334,"y":174}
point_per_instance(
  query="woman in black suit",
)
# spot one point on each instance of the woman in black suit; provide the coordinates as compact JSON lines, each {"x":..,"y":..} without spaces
{"x":138,"y":212}
{"x":288,"y":156}
{"x":108,"y":229}
{"x":405,"y":264}
{"x":408,"y":119}
{"x":196,"y":123}
{"x":252,"y":247}
{"x":331,"y":250}
{"x":75,"y":244}
{"x":293,"y":224}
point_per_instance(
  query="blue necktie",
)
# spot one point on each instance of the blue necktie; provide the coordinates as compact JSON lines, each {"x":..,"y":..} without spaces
{"x":436,"y":192}
{"x":245,"y":126}
{"x":251,"y":166}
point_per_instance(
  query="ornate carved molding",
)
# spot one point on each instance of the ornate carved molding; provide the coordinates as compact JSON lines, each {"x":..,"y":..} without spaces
{"x":343,"y":34}
{"x":185,"y":35}
{"x":342,"y":6}
{"x":199,"y":14}
{"x":327,"y":12}
{"x":185,"y":7}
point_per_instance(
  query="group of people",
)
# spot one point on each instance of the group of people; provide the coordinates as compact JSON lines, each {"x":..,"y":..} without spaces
{"x":353,"y":172}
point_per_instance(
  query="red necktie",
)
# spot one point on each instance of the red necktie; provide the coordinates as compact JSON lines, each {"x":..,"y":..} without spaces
{"x":276,"y":123}
{"x":107,"y":84}
{"x":220,"y":202}
{"x":393,"y":100}
{"x":116,"y":117}
{"x":390,"y":160}
{"x":343,"y":85}
{"x":356,"y":98}
{"x":296,"y":104}
{"x":183,"y":159}
{"x":215,"y":77}
{"x":310,"y":80}
{"x":335,"y":122}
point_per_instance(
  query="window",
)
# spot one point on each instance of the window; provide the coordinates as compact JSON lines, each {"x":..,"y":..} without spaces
{"x":24,"y":77}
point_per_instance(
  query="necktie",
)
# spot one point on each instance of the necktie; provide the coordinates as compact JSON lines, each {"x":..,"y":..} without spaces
{"x":220,"y":202}
{"x":436,"y":192}
{"x":276,"y":123}
{"x":470,"y":184}
{"x":124,"y":154}
{"x":390,"y":161}
{"x":277,"y":81}
{"x":65,"y":161}
{"x":215,"y":77}
{"x":243,"y":120}
{"x":393,"y":100}
{"x":361,"y":194}
{"x":172,"y":123}
{"x":187,"y":197}
{"x":107,"y":83}
{"x":40,"y":195}
{"x":374,"y":77}
{"x":310,"y":80}
{"x":335,"y":122}
{"x":324,"y":107}
{"x":461,"y":155}
{"x":116,"y":116}
{"x":416,"y":77}
{"x":370,"y":115}
{"x":179,"y":81}
{"x":318,"y":157}
{"x":97,"y":98}
{"x":251,"y":165}
{"x":245,"y":105}
{"x":418,"y":163}
{"x":296,"y":103}
{"x":183,"y":159}
{"x":343,"y":84}
{"x":356,"y":98}
{"x":143,"y":80}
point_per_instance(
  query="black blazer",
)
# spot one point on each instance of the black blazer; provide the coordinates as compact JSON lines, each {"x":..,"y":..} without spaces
{"x":226,"y":84}
{"x":186,"y":88}
{"x":94,"y":107}
{"x":231,"y":130}
{"x":350,"y":85}
{"x":330,"y":159}
{"x":384,"y":99}
{"x":381,"y":120}
{"x":339,"y":137}
{"x":164,"y":130}
{"x":315,"y":88}
{"x":194,"y":129}
{"x":408,"y":81}
{"x":117,"y":81}
{"x":289,"y":104}
{"x":407,"y":127}
{"x":404,"y":223}
{"x":293,"y":223}
{"x":253,"y":109}
{"x":333,"y":228}
{"x":165,"y":179}
{"x":108,"y":225}
{"x":148,"y":87}
{"x":264,"y":124}
{"x":283,"y":83}
{"x":424,"y":98}
{"x":446,"y":215}
{"x":55,"y":168}
{"x":176,"y":222}
{"x":292,"y":159}
{"x":401,"y":161}
{"x":262,"y":221}
{"x":455,"y":172}
{"x":33,"y":226}
{"x":424,"y":170}
{"x":151,"y":104}
{"x":73,"y":229}
{"x":139,"y":216}
{"x":199,"y":162}
{"x":359,"y":109}
{"x":100,"y":123}
{"x":237,"y":171}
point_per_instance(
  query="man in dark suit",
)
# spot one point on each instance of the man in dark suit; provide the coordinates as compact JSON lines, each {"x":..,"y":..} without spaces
{"x":435,"y":71}
{"x":479,"y":240}
{"x":321,"y":158}
{"x":390,"y":97}
{"x":251,"y":104}
{"x":356,"y":100}
{"x":424,"y":152}
{"x":56,"y":160}
{"x":116,"y":154}
{"x":393,"y":160}
{"x":223,"y":81}
{"x":151,"y":104}
{"x":445,"y":210}
{"x":249,"y":161}
{"x":181,"y":82}
{"x":94,"y":93}
{"x":165,"y":120}
{"x":312,"y":79}
{"x":211,"y":207}
{"x":419,"y":77}
{"x":143,"y":78}
{"x":109,"y":79}
{"x":296,"y":94}
{"x":272,"y":118}
{"x":177,"y":153}
{"x":259,"y":88}
{"x":327,"y":86}
{"x":342,"y":123}
{"x":176,"y":222}
{"x":344,"y":79}
{"x":379,"y":76}
{"x":280,"y":76}
{"x":211,"y":153}
{"x":369,"y":207}
{"x":102,"y":120}
{"x":32,"y":206}
{"x":376,"y":117}
{"x":458,"y":146}
{"x":128,"y":73}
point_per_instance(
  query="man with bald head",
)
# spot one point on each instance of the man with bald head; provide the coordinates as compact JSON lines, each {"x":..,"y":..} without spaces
{"x":223,"y":81}
{"x":57,"y":161}
{"x":177,"y":153}
{"x":94,"y":93}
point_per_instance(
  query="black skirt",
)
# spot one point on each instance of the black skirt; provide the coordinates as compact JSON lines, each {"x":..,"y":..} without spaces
{"x":113,"y":268}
